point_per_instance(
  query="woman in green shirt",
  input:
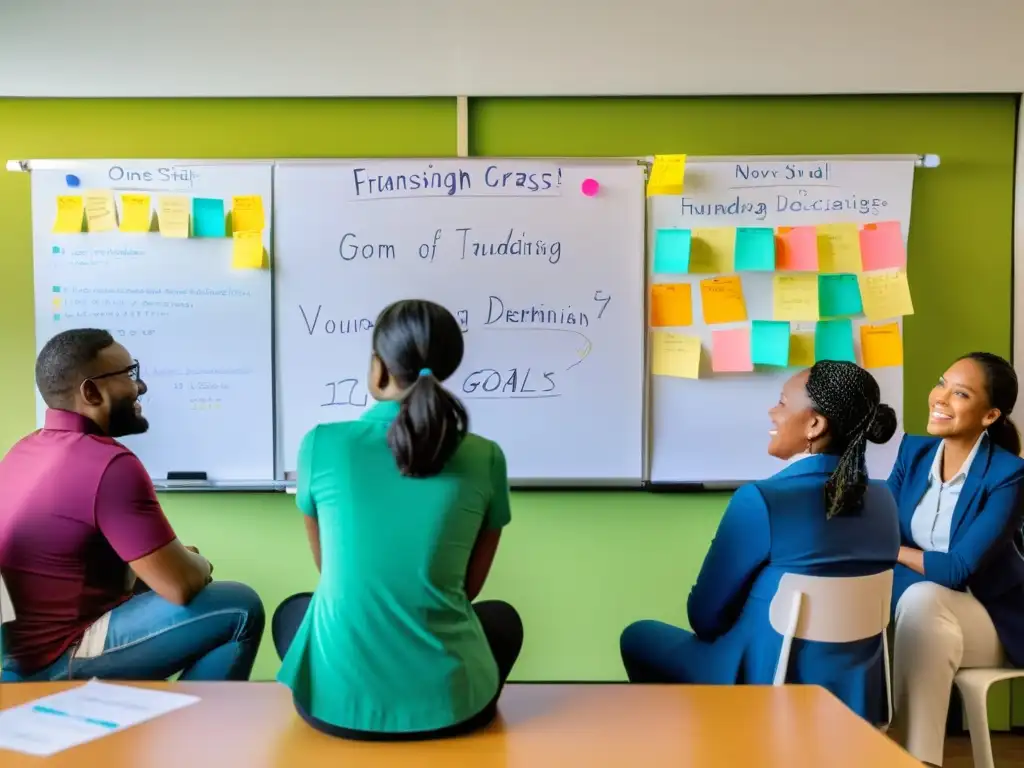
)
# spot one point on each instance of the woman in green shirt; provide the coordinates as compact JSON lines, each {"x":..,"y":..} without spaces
{"x":403,"y":509}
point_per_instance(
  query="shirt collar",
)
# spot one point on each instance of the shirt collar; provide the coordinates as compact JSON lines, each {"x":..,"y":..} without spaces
{"x":961,"y":474}
{"x":69,"y":421}
{"x":382,"y":410}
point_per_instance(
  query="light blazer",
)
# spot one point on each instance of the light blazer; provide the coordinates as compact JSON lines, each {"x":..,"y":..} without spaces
{"x":982,"y":554}
{"x":778,"y":526}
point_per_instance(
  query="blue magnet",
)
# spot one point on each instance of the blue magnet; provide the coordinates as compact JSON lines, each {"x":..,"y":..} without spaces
{"x":72,"y":180}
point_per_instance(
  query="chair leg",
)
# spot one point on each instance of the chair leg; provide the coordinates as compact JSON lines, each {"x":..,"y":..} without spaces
{"x":976,"y":707}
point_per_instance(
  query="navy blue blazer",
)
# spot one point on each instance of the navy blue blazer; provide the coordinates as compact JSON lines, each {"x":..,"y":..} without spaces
{"x":983,"y":556}
{"x":778,"y":526}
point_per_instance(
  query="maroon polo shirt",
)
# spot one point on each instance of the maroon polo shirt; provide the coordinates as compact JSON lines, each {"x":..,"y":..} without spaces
{"x":77,"y":506}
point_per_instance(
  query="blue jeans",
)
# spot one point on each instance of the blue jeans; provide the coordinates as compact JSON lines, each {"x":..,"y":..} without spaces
{"x":214,"y":637}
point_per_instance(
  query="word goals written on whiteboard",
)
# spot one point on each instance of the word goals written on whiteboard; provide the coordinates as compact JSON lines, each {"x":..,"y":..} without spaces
{"x":144,"y":249}
{"x":714,"y":428}
{"x":540,"y":261}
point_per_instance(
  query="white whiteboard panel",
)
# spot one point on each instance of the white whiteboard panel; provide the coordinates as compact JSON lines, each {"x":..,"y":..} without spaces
{"x":202,"y":332}
{"x":715,"y":429}
{"x":547,"y":283}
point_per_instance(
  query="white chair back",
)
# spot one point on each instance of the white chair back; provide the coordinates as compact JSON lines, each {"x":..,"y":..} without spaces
{"x":831,"y":609}
{"x":6,"y":606}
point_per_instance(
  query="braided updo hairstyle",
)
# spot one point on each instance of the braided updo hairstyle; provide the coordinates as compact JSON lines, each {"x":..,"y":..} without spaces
{"x":850,"y":400}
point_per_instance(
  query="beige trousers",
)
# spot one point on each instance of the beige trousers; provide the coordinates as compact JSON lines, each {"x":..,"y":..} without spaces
{"x":938,"y":632}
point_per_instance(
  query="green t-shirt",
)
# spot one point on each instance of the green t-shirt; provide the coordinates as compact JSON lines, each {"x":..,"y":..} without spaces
{"x":391,"y":642}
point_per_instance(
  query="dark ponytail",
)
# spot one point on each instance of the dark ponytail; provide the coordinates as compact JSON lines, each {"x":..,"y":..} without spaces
{"x":1001,"y":387}
{"x":420,"y":344}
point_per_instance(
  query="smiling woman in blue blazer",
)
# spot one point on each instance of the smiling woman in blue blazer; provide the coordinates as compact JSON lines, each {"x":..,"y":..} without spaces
{"x":819,"y":516}
{"x":958,"y":591}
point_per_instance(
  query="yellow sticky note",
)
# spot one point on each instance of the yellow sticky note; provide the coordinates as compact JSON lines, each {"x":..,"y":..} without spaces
{"x":881,"y":346}
{"x":722,"y":301}
{"x":839,"y":248}
{"x":673,"y":354}
{"x":885,"y":294}
{"x":671,"y":304}
{"x":135,"y":213}
{"x":247,"y":250}
{"x":801,"y":350}
{"x":247,"y":214}
{"x":69,"y":214}
{"x":100,"y":214}
{"x":172,"y":212}
{"x":712,"y":250}
{"x":667,"y":174}
{"x":57,"y":303}
{"x":795,"y":297}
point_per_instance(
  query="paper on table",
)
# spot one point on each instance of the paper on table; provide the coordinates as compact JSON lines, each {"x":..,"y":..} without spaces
{"x":730,"y":351}
{"x":671,"y":305}
{"x":75,"y":716}
{"x":69,"y":214}
{"x":667,"y":174}
{"x":673,"y":354}
{"x":886,"y":294}
{"x":711,"y":250}
{"x":100,"y":214}
{"x":722,"y":301}
{"x":839,"y":248}
{"x":795,"y":297}
{"x":881,"y":346}
{"x":173,"y":215}
{"x":136,"y":215}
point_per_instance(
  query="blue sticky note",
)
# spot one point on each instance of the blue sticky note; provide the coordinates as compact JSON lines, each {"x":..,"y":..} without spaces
{"x":833,"y":340}
{"x":208,"y":217}
{"x":838,"y":295}
{"x":755,"y":249}
{"x":72,"y":180}
{"x":672,"y":251}
{"x":769,"y":342}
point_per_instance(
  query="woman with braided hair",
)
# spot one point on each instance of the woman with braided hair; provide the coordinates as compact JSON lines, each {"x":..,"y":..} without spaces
{"x":958,"y":591}
{"x":821,"y":516}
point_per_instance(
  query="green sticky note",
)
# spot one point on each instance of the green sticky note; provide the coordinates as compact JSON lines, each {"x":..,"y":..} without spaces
{"x":755,"y":249}
{"x":672,"y":251}
{"x":838,"y":295}
{"x":208,"y":217}
{"x":833,"y":340}
{"x":769,"y":342}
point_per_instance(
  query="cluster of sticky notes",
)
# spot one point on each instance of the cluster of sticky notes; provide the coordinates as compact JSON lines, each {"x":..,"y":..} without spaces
{"x":176,"y":216}
{"x":826,"y":248}
{"x":774,"y":344}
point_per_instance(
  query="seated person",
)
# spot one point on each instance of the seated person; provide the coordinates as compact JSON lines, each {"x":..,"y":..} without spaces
{"x":958,"y":591}
{"x":403,"y":509}
{"x":820,"y":516}
{"x":80,"y":521}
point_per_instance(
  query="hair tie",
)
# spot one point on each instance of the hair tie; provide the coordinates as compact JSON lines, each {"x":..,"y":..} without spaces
{"x":425,"y":372}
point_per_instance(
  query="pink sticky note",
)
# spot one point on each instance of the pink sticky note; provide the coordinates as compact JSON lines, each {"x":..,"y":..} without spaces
{"x":730,"y":351}
{"x":796,"y":249}
{"x":881,"y":246}
{"x":590,"y":187}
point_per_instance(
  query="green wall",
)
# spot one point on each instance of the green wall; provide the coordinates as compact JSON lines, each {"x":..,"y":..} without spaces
{"x":578,"y":565}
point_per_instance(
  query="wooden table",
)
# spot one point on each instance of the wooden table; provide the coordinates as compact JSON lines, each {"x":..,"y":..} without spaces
{"x":253,"y":725}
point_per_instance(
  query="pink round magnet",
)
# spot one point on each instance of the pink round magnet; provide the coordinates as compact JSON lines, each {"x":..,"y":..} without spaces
{"x":589,"y":187}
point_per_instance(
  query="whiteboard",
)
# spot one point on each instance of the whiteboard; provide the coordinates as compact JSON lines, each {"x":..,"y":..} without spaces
{"x":201,"y":331}
{"x":715,"y":429}
{"x":547,"y":283}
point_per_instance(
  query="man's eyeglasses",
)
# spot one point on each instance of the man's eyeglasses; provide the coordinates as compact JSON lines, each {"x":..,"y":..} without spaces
{"x":132,"y":371}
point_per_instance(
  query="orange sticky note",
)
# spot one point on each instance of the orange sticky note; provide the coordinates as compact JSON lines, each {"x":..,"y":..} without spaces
{"x":730,"y":351}
{"x":881,"y":346}
{"x":673,"y":354}
{"x":885,"y":295}
{"x":795,"y":297}
{"x":136,"y":215}
{"x":247,"y":250}
{"x":247,"y":214}
{"x":801,"y":350}
{"x":839,"y":248}
{"x":671,"y":304}
{"x":722,"y":301}
{"x":712,"y":250}
{"x":882,"y":247}
{"x":70,"y":209}
{"x":796,"y":249}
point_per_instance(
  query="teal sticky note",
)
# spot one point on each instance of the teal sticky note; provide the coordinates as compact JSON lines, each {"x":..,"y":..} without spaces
{"x":833,"y":340}
{"x":769,"y":342}
{"x":672,"y":251}
{"x":838,"y":295}
{"x":755,"y":249}
{"x":208,"y":217}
